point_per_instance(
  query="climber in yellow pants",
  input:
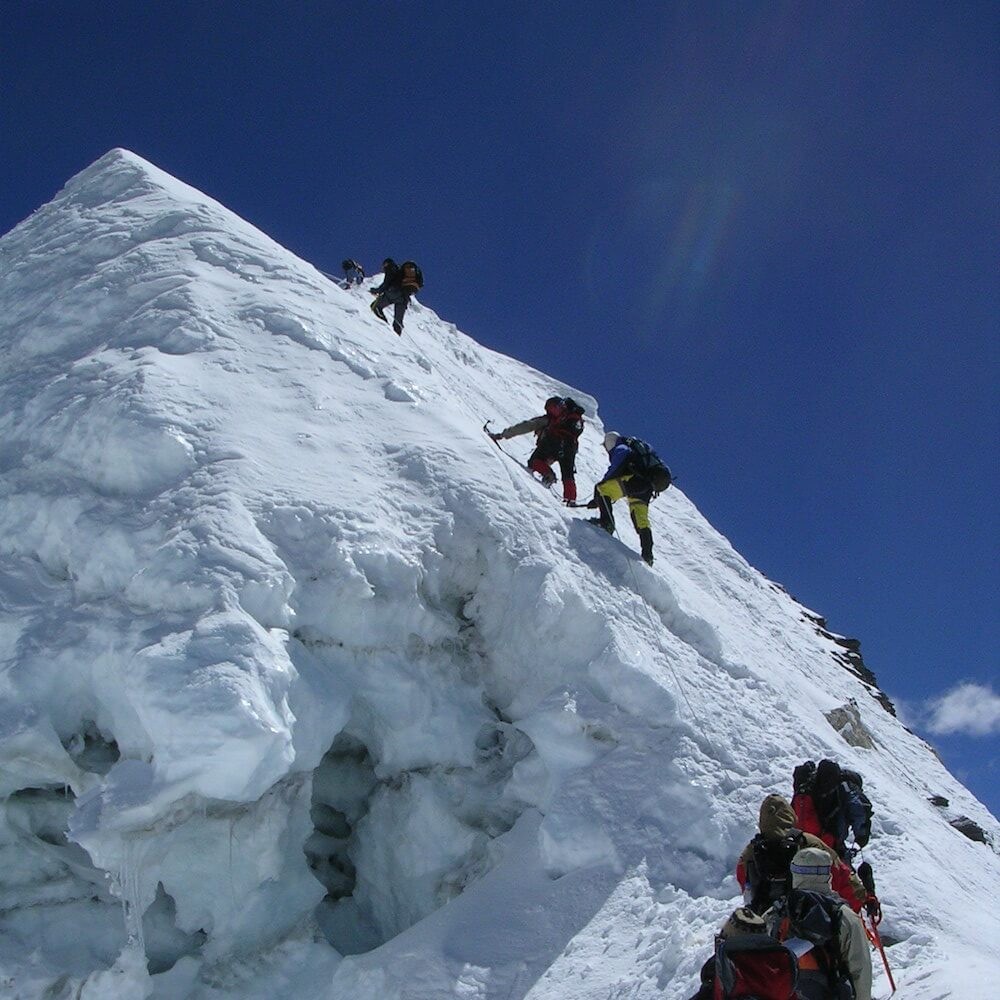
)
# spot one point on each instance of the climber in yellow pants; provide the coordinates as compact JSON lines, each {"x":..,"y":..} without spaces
{"x":619,"y":482}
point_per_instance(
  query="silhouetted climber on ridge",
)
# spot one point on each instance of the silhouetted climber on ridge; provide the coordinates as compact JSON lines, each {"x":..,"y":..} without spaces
{"x":354,"y":273}
{"x":400,"y":283}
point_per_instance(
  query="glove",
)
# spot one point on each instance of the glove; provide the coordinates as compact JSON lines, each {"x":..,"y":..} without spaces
{"x":496,"y":437}
{"x":874,"y":908}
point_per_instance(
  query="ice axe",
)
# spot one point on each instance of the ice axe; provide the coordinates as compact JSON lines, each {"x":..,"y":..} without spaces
{"x":871,"y":919}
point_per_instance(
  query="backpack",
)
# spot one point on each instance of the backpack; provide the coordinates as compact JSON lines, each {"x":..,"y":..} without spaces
{"x":565,"y":416}
{"x":769,"y":872}
{"x":411,"y":276}
{"x":841,"y":805}
{"x":815,"y":917}
{"x":646,"y":463}
{"x":803,"y":778}
{"x":754,"y":967}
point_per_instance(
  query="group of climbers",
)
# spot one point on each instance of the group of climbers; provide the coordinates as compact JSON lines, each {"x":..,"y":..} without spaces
{"x":803,"y":932}
{"x":807,"y":918}
{"x":804,"y":929}
{"x":635,"y":472}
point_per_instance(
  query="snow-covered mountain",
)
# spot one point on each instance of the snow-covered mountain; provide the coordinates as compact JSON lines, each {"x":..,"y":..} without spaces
{"x":309,"y":691}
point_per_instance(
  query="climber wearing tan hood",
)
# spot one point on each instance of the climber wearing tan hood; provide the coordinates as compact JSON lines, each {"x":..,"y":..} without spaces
{"x":763,"y":869}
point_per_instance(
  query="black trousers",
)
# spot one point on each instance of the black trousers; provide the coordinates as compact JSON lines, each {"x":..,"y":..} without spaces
{"x":552,"y":449}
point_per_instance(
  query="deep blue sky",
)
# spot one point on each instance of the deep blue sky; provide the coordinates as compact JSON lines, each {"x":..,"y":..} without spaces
{"x":763,"y":235}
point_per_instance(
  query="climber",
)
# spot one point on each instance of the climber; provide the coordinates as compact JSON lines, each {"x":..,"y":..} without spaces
{"x":763,"y":868}
{"x":829,"y":801}
{"x":558,"y":432}
{"x":747,"y":960}
{"x":636,"y":473}
{"x":354,"y":273}
{"x":824,"y":932}
{"x":400,"y":283}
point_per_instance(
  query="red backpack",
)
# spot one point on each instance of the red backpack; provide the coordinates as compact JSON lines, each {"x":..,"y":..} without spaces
{"x":754,"y":967}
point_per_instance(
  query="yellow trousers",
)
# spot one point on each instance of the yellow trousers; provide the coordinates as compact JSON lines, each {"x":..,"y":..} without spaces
{"x":614,"y":490}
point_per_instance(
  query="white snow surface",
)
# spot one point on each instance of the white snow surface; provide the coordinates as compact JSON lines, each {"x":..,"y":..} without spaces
{"x":278,"y":618}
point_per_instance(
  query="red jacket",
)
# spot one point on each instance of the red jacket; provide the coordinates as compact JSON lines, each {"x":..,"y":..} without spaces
{"x":807,"y":819}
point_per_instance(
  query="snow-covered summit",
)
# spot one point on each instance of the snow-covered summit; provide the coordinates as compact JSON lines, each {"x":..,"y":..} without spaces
{"x":291,"y":657}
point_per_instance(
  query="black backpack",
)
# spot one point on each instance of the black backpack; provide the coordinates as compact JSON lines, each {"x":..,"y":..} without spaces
{"x":804,"y":778}
{"x":646,"y":463}
{"x":815,"y":917}
{"x":770,"y":869}
{"x":841,"y":804}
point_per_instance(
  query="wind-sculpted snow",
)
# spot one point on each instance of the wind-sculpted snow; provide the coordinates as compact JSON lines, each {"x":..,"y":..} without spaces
{"x":308,"y":690}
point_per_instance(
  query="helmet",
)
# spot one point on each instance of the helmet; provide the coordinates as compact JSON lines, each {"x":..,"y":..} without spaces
{"x":611,"y":439}
{"x":553,"y":405}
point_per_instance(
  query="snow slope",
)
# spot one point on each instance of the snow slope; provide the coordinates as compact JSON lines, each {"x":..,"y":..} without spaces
{"x":307,"y":690}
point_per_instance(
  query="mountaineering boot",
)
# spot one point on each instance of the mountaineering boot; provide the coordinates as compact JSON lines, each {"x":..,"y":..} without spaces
{"x":397,"y":326}
{"x":545,"y":471}
{"x":646,"y":539}
{"x":377,"y":309}
{"x":608,"y":526}
{"x":607,"y":518}
{"x":546,"y":478}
